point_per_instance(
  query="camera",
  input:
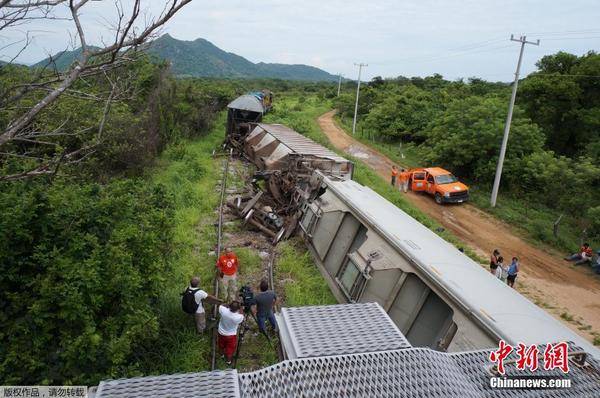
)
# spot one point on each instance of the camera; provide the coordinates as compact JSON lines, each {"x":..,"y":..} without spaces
{"x":247,"y":297}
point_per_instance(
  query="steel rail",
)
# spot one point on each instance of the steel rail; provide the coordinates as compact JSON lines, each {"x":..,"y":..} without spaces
{"x":213,"y":361}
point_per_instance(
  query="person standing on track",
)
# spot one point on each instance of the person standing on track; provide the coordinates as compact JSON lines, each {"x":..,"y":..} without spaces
{"x":231,"y":317}
{"x":394,"y":175}
{"x":266,"y":303}
{"x":404,"y":177}
{"x":228,"y":266}
{"x":191,"y":303}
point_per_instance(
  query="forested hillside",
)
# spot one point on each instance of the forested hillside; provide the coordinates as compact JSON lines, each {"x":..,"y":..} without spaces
{"x":553,"y":156}
{"x":201,"y":58}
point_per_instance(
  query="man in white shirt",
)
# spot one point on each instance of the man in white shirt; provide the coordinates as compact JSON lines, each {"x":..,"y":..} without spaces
{"x":199,"y":296}
{"x":231,"y":317}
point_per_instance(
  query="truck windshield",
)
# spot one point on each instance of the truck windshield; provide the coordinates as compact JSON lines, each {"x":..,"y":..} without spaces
{"x":445,"y":179}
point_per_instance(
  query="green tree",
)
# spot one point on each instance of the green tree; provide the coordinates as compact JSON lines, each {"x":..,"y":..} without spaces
{"x":401,"y":116}
{"x":81,"y":267}
{"x":561,"y":63}
{"x":467,"y":136}
{"x":553,"y":103}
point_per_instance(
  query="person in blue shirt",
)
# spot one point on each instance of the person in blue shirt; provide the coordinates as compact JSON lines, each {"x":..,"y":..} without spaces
{"x":596,"y":264}
{"x":513,"y":270}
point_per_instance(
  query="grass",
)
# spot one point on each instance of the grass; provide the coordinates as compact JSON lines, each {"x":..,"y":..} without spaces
{"x":533,"y":220}
{"x":302,"y":282}
{"x":567,"y":317}
{"x":190,"y":173}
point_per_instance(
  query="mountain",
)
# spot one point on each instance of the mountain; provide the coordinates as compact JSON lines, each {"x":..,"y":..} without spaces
{"x":201,"y":58}
{"x":62,"y":59}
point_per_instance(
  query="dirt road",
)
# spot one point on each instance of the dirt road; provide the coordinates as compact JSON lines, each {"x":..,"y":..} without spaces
{"x":545,"y":278}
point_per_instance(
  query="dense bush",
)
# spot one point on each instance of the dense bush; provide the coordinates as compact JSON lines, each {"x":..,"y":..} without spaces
{"x":466,"y":137}
{"x":81,"y":266}
{"x":415,"y":107}
{"x":84,"y":253}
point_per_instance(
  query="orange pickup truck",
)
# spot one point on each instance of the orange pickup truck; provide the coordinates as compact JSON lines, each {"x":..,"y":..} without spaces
{"x":440,"y":183}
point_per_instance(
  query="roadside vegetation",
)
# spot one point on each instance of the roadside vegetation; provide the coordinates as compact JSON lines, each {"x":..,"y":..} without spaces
{"x":552,"y":165}
{"x":86,"y":252}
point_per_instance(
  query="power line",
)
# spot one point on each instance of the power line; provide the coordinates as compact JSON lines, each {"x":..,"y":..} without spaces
{"x":561,"y":75}
{"x":565,"y":32}
{"x":571,"y":38}
{"x":523,"y":41}
{"x":360,"y":66}
{"x":431,"y":58}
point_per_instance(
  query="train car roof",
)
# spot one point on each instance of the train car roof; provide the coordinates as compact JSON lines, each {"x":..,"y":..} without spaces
{"x":247,"y":103}
{"x":510,"y":315}
{"x":299,"y":143}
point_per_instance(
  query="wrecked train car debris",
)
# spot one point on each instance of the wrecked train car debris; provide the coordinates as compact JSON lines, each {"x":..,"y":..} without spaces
{"x":286,"y":161}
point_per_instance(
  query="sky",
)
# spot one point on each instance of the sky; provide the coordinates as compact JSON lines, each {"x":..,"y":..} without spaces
{"x":457,"y":39}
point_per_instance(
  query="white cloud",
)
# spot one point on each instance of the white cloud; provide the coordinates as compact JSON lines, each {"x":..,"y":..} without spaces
{"x":409,"y":37}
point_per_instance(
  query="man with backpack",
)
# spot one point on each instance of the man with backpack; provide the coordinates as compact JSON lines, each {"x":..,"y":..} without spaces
{"x":191,"y":302}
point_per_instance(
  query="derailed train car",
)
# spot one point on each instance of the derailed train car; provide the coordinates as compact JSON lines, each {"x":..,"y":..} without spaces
{"x":285,"y":158}
{"x":368,"y":250}
{"x":244,"y":112}
{"x":285,"y":161}
{"x":371,"y":251}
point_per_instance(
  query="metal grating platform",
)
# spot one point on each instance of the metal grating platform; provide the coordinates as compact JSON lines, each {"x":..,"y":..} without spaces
{"x":415,"y":372}
{"x":324,"y":330}
{"x":216,"y":384}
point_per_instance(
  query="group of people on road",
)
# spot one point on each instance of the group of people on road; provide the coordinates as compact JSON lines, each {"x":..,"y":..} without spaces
{"x":504,"y":272}
{"x":404,"y":177}
{"x":231,"y":313}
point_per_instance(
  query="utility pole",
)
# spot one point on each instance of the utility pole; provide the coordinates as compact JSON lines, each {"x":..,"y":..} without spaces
{"x":513,"y":96}
{"x":360,"y":66}
{"x":339,"y":85}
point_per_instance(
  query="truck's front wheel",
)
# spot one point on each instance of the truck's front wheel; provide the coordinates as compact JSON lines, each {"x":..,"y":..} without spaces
{"x":438,"y":198}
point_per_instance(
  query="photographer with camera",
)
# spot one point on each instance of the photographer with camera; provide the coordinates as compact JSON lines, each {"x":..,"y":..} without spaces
{"x":266,"y":303}
{"x":231,"y":317}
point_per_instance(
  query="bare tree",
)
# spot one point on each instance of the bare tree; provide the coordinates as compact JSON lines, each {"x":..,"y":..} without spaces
{"x":52,"y":83}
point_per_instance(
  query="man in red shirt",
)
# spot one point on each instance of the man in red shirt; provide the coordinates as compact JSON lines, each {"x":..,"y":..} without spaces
{"x":584,"y":256}
{"x":228,"y":266}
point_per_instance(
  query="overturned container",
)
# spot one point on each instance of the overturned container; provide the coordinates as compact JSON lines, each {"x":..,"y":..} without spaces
{"x":286,"y":159}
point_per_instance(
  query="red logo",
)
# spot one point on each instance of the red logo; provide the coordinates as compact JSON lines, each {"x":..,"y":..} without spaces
{"x":555,"y":356}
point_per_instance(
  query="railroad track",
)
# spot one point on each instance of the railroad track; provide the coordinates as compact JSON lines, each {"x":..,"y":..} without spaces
{"x":219,"y":249}
{"x":213,"y":360}
{"x":270,"y":265}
